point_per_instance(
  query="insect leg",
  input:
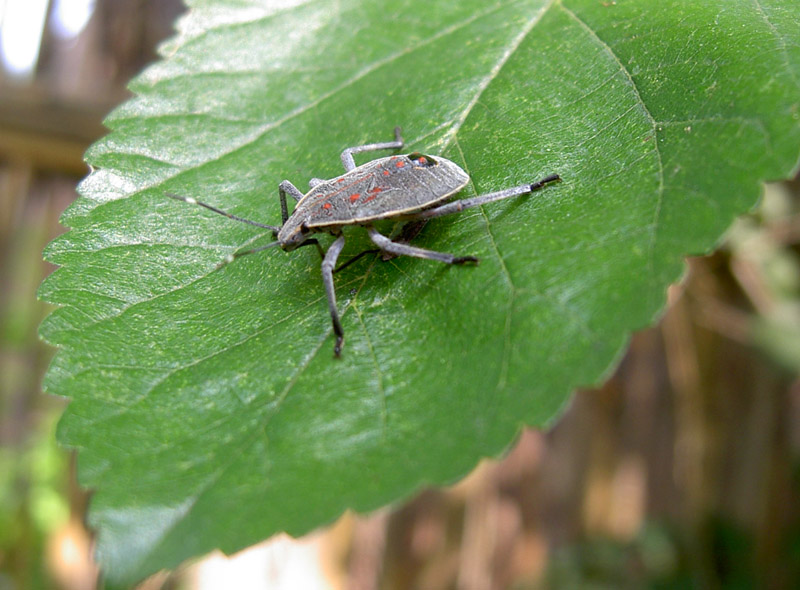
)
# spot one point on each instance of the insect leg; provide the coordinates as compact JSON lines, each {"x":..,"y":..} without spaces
{"x":328,"y":264}
{"x":408,"y":232}
{"x":284,"y":188}
{"x":313,"y":242}
{"x":355,"y":258}
{"x":457,"y":206}
{"x":388,"y":245}
{"x":347,"y":154}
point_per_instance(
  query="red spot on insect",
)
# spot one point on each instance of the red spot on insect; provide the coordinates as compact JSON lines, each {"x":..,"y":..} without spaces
{"x":422,"y":160}
{"x":376,"y":189}
{"x":354,"y":197}
{"x":400,"y":163}
{"x":340,"y":180}
{"x":369,"y":198}
{"x":326,"y":206}
{"x":386,"y":173}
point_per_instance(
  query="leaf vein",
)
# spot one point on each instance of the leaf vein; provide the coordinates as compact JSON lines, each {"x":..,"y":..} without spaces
{"x":781,"y":41}
{"x":495,"y":71}
{"x":378,"y":372}
{"x":651,"y":119}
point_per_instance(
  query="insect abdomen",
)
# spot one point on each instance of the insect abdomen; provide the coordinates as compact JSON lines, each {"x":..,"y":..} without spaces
{"x":381,"y":189}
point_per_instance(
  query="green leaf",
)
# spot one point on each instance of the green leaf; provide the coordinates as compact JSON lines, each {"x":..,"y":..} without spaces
{"x":206,"y":404}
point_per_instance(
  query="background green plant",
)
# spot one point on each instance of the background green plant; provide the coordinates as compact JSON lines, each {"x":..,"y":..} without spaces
{"x":206,"y":405}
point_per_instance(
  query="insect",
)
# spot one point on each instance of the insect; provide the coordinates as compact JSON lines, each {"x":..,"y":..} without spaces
{"x":402,"y":187}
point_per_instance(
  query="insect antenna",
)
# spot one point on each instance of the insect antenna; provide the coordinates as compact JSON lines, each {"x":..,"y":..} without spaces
{"x":193,"y":201}
{"x":231,"y":257}
{"x":546,"y":180}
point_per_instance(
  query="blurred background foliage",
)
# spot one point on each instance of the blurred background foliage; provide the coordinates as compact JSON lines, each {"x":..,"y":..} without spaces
{"x":682,"y":471}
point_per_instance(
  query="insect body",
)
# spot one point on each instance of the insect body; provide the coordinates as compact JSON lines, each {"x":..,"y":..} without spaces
{"x":405,"y":187}
{"x":381,"y":189}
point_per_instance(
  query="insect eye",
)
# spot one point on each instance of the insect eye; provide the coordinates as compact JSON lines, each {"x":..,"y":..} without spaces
{"x":422,"y":160}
